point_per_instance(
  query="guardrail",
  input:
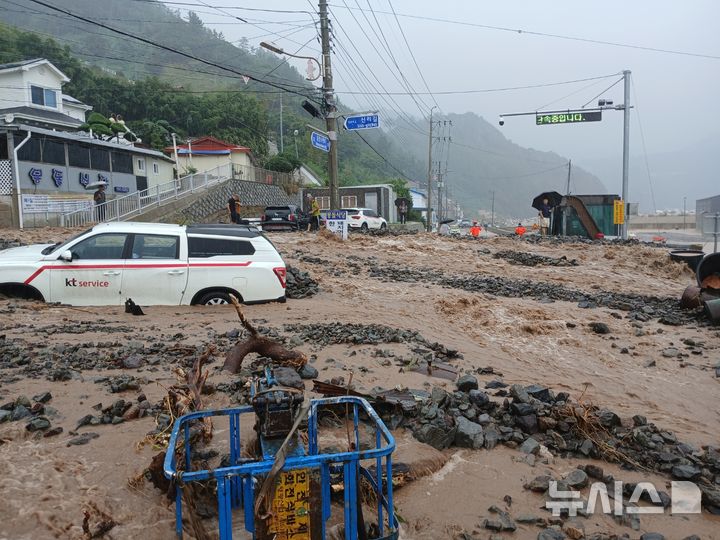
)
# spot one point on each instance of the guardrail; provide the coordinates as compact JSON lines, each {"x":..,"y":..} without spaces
{"x":122,"y":208}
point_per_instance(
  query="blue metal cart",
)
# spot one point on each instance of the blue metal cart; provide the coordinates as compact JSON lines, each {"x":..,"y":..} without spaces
{"x":305,"y":470}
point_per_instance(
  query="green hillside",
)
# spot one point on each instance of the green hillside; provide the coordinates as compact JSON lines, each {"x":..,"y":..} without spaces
{"x":159,"y":91}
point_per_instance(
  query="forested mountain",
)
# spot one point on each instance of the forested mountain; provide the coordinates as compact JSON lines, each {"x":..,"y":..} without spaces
{"x":158,"y":91}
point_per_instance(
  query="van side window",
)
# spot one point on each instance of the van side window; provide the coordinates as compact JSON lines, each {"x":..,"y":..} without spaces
{"x":155,"y":246}
{"x":213,"y":247}
{"x":101,"y":246}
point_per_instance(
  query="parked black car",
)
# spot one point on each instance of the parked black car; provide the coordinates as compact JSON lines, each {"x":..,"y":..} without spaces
{"x":284,"y":218}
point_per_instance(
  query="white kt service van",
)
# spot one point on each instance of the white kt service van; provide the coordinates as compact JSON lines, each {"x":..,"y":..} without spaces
{"x":152,"y":263}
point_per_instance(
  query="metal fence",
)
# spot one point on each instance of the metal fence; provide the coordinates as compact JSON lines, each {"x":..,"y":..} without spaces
{"x":122,"y":208}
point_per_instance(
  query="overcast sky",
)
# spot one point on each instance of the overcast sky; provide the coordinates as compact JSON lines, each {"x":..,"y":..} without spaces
{"x":676,"y":95}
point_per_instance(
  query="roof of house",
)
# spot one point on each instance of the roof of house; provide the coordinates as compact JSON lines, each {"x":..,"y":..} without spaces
{"x":72,"y":101}
{"x":41,"y":115}
{"x":207,"y":146}
{"x":24,"y":65}
{"x":84,"y":137}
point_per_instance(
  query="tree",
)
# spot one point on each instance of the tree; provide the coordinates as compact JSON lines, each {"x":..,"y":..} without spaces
{"x":282,"y":163}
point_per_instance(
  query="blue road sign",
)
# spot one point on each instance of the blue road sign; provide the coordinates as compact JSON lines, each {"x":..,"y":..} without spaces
{"x":363,"y":121}
{"x":319,"y":141}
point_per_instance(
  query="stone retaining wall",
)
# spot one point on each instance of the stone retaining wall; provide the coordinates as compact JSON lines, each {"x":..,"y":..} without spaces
{"x":252,"y":195}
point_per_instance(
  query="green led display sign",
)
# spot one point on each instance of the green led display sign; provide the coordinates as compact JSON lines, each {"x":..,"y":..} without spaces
{"x":570,"y":117}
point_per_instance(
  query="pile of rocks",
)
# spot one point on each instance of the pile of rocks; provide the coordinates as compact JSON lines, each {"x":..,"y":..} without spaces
{"x":560,"y":240}
{"x":120,"y":411}
{"x":639,"y":307}
{"x":33,"y":412}
{"x":534,"y":416}
{"x":299,"y":284}
{"x":531,"y":259}
{"x":366,"y":334}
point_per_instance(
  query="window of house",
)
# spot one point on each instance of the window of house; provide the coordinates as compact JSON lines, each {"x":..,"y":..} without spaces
{"x":53,"y":152}
{"x":30,"y":151}
{"x":323,"y":202}
{"x":3,"y":147}
{"x":122,"y":162}
{"x":156,"y":169}
{"x":99,"y":159}
{"x":79,"y":156}
{"x":43,"y":96}
{"x":213,"y":247}
{"x":349,"y":201}
{"x":141,"y":164}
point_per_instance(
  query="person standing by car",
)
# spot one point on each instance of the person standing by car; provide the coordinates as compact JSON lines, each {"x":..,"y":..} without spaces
{"x":99,"y":198}
{"x":314,"y":214}
{"x":234,"y":208}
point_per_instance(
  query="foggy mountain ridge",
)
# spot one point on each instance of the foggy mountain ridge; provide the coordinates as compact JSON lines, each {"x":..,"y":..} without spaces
{"x":483,"y":160}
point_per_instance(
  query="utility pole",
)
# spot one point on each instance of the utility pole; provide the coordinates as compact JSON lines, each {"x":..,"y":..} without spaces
{"x":428,"y":221}
{"x":282,"y":143}
{"x":330,"y":109}
{"x":492,"y":212}
{"x":684,"y":214}
{"x":439,"y":197}
{"x":567,"y":188}
{"x":626,"y":150}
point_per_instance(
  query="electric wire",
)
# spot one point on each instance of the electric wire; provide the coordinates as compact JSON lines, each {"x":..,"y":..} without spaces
{"x":546,"y":34}
{"x":412,"y":55}
{"x":642,"y":139}
{"x":164,"y":47}
{"x":601,"y":93}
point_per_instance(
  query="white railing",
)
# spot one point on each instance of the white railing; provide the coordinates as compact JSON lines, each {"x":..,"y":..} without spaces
{"x":123,"y":208}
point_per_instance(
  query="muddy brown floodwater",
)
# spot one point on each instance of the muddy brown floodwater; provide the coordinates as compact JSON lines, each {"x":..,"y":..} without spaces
{"x":664,"y":372}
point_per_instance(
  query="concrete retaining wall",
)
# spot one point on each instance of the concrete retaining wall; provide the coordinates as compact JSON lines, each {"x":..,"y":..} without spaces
{"x":254,"y":196}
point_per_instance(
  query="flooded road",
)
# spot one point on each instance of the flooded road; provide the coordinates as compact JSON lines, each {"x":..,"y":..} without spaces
{"x":663,"y":372}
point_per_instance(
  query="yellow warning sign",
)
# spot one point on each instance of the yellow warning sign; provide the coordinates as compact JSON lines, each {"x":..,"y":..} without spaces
{"x":619,"y":212}
{"x":291,"y":506}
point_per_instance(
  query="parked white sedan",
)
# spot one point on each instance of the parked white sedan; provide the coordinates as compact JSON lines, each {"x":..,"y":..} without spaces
{"x":364,"y":219}
{"x":151,"y":263}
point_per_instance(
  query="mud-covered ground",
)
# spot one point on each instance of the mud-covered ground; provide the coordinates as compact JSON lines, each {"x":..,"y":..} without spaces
{"x":532,"y":324}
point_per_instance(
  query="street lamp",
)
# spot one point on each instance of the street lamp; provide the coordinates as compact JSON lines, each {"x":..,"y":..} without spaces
{"x":310,"y":59}
{"x":295,"y":134}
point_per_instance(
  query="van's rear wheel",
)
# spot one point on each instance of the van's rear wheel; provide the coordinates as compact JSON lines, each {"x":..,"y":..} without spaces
{"x":216,"y":298}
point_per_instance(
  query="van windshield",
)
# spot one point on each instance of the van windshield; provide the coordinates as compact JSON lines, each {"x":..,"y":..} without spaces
{"x":58,"y":247}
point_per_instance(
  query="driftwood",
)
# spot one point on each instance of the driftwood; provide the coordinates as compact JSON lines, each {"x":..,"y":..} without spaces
{"x":260,"y":345}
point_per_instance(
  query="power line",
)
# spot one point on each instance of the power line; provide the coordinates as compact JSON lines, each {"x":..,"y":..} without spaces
{"x":224,"y":7}
{"x":545,"y":34}
{"x":161,"y":46}
{"x":377,"y":27}
{"x":370,"y":41}
{"x":490,"y":90}
{"x":412,"y":54}
{"x":642,"y":138}
{"x":601,"y":93}
{"x":383,"y":157}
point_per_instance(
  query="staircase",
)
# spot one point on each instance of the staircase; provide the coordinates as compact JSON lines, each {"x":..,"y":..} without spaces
{"x":148,"y":200}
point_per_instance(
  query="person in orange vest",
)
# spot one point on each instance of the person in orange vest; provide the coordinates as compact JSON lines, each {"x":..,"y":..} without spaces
{"x":475,"y":229}
{"x":520,"y":230}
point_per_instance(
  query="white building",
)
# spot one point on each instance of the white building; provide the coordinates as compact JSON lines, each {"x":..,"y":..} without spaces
{"x":45,"y":163}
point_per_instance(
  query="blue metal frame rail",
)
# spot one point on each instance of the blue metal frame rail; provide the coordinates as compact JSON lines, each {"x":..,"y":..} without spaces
{"x":236,"y":483}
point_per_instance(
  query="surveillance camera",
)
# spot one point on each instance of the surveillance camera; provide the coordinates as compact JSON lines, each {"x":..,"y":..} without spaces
{"x":501,"y":121}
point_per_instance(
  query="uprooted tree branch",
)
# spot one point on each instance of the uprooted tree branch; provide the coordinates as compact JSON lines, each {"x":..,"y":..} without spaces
{"x":260,"y":345}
